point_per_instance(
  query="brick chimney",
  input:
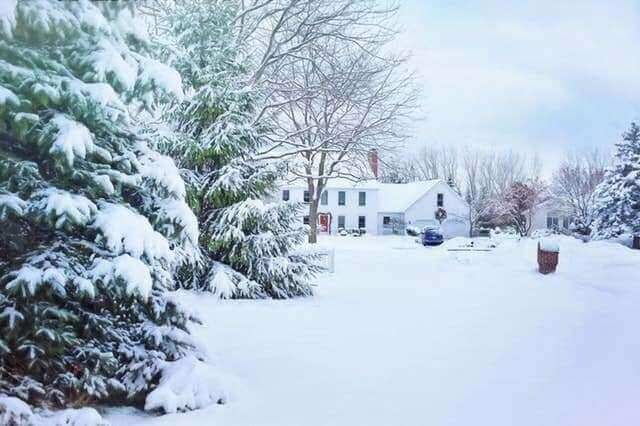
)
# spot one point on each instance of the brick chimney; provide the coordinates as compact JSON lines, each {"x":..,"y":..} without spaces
{"x":373,"y":162}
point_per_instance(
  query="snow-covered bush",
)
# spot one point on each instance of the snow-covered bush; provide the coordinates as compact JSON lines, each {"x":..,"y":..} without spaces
{"x":216,"y":133}
{"x":187,"y":384}
{"x":93,"y":221}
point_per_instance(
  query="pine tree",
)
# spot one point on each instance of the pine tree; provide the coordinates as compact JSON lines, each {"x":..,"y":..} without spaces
{"x":246,"y":243}
{"x":93,"y":220}
{"x":617,"y":210}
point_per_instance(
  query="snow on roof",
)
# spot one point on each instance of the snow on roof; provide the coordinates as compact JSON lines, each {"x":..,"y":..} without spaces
{"x":392,"y":197}
{"x":398,"y":197}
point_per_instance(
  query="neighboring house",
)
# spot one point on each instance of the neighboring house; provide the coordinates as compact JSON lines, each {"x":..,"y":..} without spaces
{"x":383,"y":208}
{"x":551,"y":215}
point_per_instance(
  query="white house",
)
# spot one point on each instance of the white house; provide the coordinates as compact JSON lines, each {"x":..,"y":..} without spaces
{"x":383,"y":208}
{"x":551,"y":215}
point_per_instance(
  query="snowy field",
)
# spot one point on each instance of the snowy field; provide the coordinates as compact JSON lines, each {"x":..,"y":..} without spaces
{"x":406,"y":335}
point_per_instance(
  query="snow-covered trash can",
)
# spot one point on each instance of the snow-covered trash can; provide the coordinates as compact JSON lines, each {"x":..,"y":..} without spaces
{"x":548,"y":252}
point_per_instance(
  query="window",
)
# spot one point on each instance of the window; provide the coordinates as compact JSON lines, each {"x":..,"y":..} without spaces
{"x":362,"y":198}
{"x":552,"y":222}
{"x":565,"y":222}
{"x":306,"y":197}
{"x":305,"y":220}
{"x":386,"y":220}
{"x":340,"y":221}
{"x":285,"y":195}
{"x":324,"y":198}
{"x":362,"y":222}
{"x":342,"y":198}
{"x":440,"y":200}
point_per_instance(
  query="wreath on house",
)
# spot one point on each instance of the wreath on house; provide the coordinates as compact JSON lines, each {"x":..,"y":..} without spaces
{"x":441,"y":214}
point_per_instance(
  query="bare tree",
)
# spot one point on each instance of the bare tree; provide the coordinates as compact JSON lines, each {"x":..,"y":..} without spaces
{"x":490,"y":180}
{"x":396,"y":169}
{"x":360,"y":101}
{"x":574,"y":183}
{"x":519,"y":203}
{"x":331,"y":92}
{"x":438,"y":163}
{"x":478,"y":191}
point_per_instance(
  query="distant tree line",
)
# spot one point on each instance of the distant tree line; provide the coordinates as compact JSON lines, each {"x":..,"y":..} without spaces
{"x":505,"y":188}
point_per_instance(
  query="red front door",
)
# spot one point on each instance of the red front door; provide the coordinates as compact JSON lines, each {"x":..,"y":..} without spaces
{"x":323,"y":219}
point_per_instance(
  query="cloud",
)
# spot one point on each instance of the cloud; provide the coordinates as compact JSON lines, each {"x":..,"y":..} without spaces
{"x":542,"y":76}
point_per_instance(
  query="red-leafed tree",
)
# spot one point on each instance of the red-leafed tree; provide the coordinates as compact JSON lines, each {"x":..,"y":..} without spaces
{"x":519,"y":204}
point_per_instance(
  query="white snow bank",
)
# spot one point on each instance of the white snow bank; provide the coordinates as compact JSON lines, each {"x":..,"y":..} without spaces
{"x":14,"y":411}
{"x":187,"y":384}
{"x":416,"y":327}
{"x":549,"y":244}
{"x":125,"y":231}
{"x":541,"y":233}
{"x":74,"y":417}
{"x":132,"y":271}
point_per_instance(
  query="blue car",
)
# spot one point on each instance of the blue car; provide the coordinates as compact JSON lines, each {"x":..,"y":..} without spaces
{"x":431,"y":237}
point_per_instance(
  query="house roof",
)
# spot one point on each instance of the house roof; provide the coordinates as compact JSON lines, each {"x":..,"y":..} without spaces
{"x":394,"y":198}
{"x":555,"y":205}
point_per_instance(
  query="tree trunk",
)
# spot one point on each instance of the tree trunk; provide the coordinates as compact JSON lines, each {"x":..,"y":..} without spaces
{"x":470,"y":228}
{"x":313,"y":220}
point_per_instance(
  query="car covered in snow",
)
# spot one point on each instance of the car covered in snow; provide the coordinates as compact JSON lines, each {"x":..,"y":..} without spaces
{"x":431,"y":237}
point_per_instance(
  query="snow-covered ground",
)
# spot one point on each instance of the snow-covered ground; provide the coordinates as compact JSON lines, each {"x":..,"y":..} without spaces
{"x":406,"y":335}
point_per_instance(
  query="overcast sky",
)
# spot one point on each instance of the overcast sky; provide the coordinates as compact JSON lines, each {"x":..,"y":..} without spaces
{"x":545,"y":76}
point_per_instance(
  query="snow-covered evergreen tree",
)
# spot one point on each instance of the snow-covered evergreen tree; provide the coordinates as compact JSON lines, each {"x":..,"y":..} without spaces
{"x":617,"y":210}
{"x":93,"y":221}
{"x":246,"y":243}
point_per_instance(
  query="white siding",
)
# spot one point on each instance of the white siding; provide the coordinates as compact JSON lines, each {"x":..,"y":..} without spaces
{"x":539,"y":220}
{"x":399,"y":226}
{"x":422,"y":212}
{"x":351,"y":210}
{"x":419,"y":214}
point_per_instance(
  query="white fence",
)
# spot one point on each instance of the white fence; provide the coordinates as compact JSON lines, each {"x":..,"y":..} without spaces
{"x":328,"y":257}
